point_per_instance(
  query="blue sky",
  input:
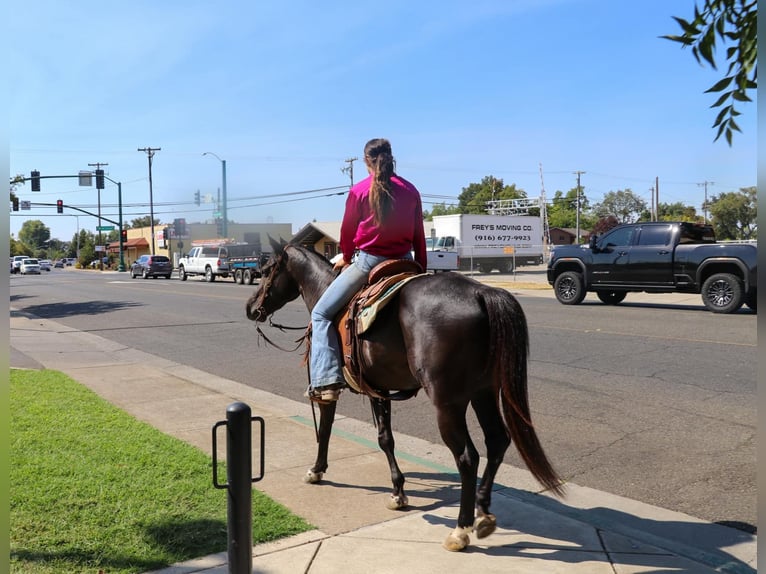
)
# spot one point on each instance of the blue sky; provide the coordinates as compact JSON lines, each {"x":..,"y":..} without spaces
{"x":286,"y":91}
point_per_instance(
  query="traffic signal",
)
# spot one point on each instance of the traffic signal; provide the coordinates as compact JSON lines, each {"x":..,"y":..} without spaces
{"x":15,"y":204}
{"x":196,"y":197}
{"x":35,"y":180}
{"x":219,"y":226}
{"x":179,"y":226}
{"x":59,"y":206}
{"x":165,"y":234}
{"x":123,"y":235}
{"x":99,"y":179}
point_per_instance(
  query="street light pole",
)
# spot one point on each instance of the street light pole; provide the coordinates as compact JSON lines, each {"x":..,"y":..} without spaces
{"x":224,"y":225}
{"x":150,"y":154}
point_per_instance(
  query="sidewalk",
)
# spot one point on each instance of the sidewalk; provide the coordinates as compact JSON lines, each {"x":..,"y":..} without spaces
{"x":589,"y":532}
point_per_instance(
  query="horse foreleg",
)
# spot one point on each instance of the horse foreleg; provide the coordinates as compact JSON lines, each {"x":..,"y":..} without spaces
{"x":454,"y":432}
{"x":497,"y":441}
{"x":326,"y":419}
{"x":382,"y":411}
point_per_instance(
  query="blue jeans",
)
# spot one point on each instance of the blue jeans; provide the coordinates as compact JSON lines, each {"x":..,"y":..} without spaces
{"x":325,"y":363}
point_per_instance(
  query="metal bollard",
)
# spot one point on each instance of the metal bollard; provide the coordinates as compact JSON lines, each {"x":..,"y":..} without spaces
{"x":239,"y":480}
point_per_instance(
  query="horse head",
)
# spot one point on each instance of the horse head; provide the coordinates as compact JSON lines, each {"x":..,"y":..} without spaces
{"x":277,"y":286}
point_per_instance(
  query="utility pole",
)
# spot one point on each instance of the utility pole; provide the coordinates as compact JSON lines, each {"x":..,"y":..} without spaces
{"x":704,"y":205}
{"x":150,"y":154}
{"x":98,"y":189}
{"x":578,"y":173}
{"x":350,"y":169}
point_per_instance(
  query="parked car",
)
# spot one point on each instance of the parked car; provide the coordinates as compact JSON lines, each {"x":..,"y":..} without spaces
{"x":45,"y":264}
{"x":59,"y":264}
{"x":17,"y":259}
{"x":151,"y":266}
{"x":30,"y":267}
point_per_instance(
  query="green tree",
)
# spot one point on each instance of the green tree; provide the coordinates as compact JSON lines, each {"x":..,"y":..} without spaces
{"x":563,"y":210}
{"x":440,"y":209}
{"x":623,"y":204}
{"x":677,"y":211}
{"x":475,"y":196}
{"x":735,"y":214}
{"x":145,"y":221}
{"x":34,"y":233}
{"x":734,"y":21}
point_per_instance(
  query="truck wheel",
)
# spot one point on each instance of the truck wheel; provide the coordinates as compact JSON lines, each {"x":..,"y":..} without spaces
{"x":611,"y":297}
{"x":209,"y":277}
{"x":182,"y":273}
{"x":751,"y":300}
{"x":238,"y":276}
{"x":722,"y":293}
{"x":247,"y":277}
{"x":569,"y":288}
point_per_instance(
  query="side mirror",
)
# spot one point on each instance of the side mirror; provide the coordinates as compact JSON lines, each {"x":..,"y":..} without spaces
{"x":593,"y":243}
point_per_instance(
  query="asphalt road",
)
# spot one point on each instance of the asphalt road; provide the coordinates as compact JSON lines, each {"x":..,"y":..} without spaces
{"x":655,"y":402}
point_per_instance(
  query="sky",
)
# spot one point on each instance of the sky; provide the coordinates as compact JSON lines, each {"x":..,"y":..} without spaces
{"x":287,"y":92}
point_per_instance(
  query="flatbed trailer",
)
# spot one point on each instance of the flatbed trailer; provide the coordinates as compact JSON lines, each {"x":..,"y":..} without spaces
{"x":245,"y":270}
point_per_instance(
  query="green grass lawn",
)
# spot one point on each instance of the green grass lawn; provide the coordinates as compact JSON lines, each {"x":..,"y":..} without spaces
{"x":92,"y":488}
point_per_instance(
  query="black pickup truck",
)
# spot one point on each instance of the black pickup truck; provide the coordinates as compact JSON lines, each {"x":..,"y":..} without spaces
{"x":657,"y":257}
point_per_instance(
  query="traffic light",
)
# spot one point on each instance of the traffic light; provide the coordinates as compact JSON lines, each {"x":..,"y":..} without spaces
{"x":219,"y":226}
{"x":123,"y":235}
{"x":99,"y":179}
{"x":35,"y":180}
{"x":165,"y":234}
{"x":59,"y":206}
{"x":196,"y":197}
{"x":15,"y":204}
{"x":179,"y":226}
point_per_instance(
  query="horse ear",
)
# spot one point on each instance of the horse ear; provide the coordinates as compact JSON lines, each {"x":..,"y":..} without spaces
{"x":276,"y":247}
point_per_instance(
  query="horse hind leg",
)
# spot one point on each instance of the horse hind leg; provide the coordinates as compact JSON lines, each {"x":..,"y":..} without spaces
{"x":497,"y":441}
{"x":326,"y":419}
{"x":454,"y":432}
{"x":382,"y":411}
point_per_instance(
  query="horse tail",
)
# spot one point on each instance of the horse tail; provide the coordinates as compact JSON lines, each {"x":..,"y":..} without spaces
{"x":509,"y":349}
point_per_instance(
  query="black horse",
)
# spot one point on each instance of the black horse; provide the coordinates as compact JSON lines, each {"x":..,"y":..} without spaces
{"x":460,"y":341}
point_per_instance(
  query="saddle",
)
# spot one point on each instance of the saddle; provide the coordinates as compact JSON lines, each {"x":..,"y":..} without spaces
{"x":384,"y":281}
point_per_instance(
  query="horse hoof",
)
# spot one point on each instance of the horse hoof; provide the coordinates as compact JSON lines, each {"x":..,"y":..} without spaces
{"x":458,"y":540}
{"x":485,"y":525}
{"x":312,"y":477}
{"x":397,"y":502}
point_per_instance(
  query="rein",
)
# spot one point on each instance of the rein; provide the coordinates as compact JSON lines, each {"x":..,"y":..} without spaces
{"x":282,"y":328}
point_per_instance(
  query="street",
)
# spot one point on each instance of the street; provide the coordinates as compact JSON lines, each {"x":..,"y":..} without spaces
{"x":651,"y":402}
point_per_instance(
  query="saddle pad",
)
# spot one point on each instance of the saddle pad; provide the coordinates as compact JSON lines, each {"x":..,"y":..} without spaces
{"x":368,"y":313}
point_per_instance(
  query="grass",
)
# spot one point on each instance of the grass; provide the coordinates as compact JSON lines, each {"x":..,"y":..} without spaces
{"x":92,"y":489}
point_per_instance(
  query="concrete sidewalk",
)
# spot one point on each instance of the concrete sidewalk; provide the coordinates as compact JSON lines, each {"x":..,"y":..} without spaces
{"x":589,"y":531}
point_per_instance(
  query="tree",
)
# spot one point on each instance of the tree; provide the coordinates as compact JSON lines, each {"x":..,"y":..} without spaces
{"x":728,"y":21}
{"x":475,"y":196}
{"x":34,"y":233}
{"x":677,"y":211}
{"x":440,"y":209}
{"x":145,"y":221}
{"x":563,"y":210}
{"x":735,"y":214}
{"x":604,"y":224}
{"x":623,"y":204}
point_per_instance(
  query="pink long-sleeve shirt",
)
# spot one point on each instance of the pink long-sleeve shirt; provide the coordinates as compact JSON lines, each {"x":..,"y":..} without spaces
{"x":401,"y":233}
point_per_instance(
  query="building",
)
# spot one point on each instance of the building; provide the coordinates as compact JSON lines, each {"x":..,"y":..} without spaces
{"x":139,"y":239}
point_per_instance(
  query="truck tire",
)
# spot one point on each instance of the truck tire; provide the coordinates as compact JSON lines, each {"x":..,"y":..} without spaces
{"x":238,"y":276}
{"x":722,"y":293}
{"x":568,"y":288}
{"x":611,"y":297}
{"x":182,"y":273}
{"x":247,"y":277}
{"x":751,"y":300}
{"x":209,"y":277}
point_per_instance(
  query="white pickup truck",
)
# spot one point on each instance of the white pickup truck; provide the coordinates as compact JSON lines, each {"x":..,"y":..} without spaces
{"x":204,"y":260}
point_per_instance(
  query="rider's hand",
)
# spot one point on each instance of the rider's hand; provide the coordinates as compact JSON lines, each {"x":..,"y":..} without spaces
{"x":340,"y":265}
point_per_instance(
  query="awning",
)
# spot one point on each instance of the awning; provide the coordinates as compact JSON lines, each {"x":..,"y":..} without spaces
{"x":134,"y":243}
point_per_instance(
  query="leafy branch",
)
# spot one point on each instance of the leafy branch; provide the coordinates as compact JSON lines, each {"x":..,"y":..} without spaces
{"x":727,"y":21}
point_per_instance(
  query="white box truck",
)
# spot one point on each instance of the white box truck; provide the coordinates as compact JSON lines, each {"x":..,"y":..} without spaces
{"x":487,"y":242}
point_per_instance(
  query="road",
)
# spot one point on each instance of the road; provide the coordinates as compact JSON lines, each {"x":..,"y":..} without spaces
{"x":655,"y":402}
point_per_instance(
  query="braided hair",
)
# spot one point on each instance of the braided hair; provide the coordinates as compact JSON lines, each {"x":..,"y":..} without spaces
{"x":378,"y":156}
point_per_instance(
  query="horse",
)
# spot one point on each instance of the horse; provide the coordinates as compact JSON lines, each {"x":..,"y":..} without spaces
{"x":460,"y":341}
